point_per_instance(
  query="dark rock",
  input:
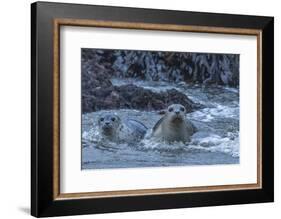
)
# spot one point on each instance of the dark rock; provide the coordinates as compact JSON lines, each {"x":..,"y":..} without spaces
{"x":202,"y":68}
{"x":134,"y":97}
{"x":99,"y":66}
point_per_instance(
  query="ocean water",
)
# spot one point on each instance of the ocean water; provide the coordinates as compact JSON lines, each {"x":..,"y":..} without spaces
{"x":216,"y":142}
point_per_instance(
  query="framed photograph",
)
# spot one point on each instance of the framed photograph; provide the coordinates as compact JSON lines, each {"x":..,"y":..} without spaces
{"x":142,"y":109}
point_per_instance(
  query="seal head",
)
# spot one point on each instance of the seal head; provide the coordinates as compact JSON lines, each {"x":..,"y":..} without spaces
{"x":114,"y":129}
{"x":176,"y":113}
{"x":109,"y":125}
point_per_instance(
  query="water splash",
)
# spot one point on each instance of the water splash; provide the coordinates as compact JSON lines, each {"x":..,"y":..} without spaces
{"x":216,"y":142}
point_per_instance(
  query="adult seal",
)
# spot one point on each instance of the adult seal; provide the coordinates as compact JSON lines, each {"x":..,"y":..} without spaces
{"x":112,"y":128}
{"x":173,"y":126}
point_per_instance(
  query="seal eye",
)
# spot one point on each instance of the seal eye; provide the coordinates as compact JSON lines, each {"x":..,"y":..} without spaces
{"x":101,"y":119}
{"x":182,"y":109}
{"x":171,"y":109}
{"x":112,"y":119}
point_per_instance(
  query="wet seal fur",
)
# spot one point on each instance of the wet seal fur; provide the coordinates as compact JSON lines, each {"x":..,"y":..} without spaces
{"x":173,"y":126}
{"x":112,"y":128}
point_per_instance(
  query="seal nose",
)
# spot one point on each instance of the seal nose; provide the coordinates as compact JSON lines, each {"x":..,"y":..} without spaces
{"x":177,"y":112}
{"x":107,"y":123}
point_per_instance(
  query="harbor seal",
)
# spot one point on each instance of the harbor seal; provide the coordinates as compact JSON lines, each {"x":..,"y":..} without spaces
{"x":112,"y":128}
{"x":173,"y":126}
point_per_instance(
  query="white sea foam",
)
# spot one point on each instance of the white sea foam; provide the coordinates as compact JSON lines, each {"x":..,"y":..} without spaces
{"x":219,"y":111}
{"x":215,"y":143}
{"x":91,"y":136}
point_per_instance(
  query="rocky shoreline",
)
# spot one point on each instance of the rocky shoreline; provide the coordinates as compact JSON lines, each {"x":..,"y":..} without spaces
{"x":99,"y":66}
{"x":133,"y":97}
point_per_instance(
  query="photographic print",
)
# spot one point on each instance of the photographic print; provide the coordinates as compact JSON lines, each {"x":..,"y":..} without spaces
{"x":143,"y":109}
{"x":159,"y":108}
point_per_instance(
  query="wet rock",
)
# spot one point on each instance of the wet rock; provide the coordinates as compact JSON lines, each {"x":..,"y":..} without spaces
{"x":99,"y":66}
{"x":202,"y":68}
{"x":134,"y":97}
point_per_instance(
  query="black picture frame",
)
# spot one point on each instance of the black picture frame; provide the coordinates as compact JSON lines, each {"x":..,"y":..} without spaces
{"x":43,"y":203}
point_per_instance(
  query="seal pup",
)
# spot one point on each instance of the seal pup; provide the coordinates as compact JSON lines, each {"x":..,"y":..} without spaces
{"x":112,"y":128}
{"x":173,"y":126}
